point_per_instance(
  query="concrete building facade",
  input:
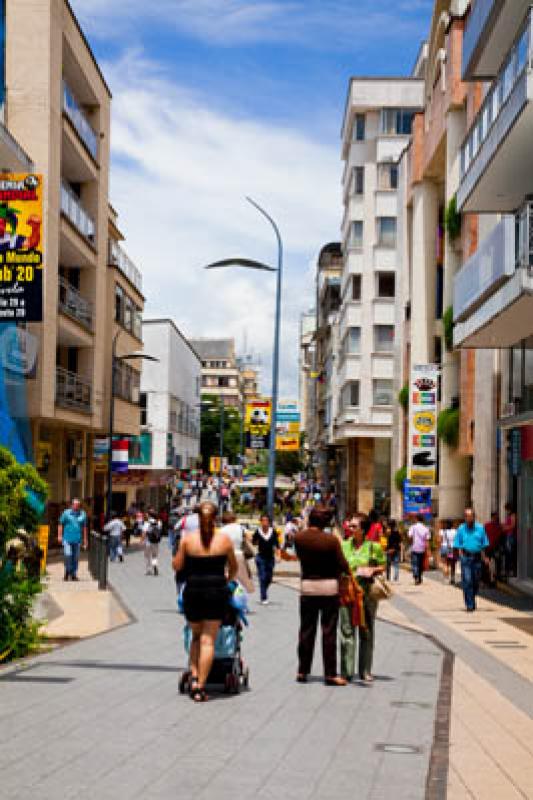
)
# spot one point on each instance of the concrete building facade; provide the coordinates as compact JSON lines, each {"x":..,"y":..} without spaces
{"x":221,"y":375}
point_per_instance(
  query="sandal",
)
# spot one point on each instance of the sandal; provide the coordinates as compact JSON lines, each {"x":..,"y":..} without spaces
{"x":199,"y":695}
{"x":301,"y":678}
{"x":336,"y":681}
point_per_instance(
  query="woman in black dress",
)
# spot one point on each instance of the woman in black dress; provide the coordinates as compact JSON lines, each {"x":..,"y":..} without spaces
{"x":207,"y":562}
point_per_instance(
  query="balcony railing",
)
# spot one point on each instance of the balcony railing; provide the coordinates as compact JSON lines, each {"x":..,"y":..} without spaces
{"x":524,"y":237}
{"x":80,"y":122}
{"x":518,"y":60}
{"x":74,"y":211}
{"x":73,"y":303}
{"x":119,"y":259}
{"x":72,"y":391}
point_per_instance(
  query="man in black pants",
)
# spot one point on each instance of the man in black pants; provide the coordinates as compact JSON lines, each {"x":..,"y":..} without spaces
{"x":322,"y":564}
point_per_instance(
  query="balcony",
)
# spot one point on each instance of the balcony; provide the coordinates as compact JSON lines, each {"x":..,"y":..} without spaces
{"x":79,"y":120}
{"x":72,"y":303}
{"x":489,"y":34}
{"x":119,"y":259}
{"x":74,"y":211}
{"x":493,"y":292}
{"x":496,"y":164}
{"x":72,"y":391}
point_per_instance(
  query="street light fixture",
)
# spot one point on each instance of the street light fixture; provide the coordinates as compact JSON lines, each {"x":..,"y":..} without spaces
{"x":114,"y":361}
{"x":248,"y":263}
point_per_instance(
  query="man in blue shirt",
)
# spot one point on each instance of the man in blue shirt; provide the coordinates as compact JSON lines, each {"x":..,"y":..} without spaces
{"x":471,"y":539}
{"x":72,"y":529}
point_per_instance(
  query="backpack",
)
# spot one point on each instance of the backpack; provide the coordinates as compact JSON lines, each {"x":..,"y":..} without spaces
{"x":154,"y":534}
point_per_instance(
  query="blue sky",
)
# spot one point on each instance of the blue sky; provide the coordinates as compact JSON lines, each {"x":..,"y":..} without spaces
{"x":214,"y":99}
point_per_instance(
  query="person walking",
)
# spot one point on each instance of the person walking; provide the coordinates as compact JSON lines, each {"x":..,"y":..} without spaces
{"x":151,"y":536}
{"x":493,"y":529}
{"x":366,"y":560}
{"x":394,"y":550}
{"x":510,"y":540}
{"x":265,"y":539}
{"x":72,"y":534}
{"x":322,"y":564}
{"x":114,"y":529}
{"x":238,"y":536}
{"x":447,"y":550}
{"x":207,"y":562}
{"x":420,"y":536}
{"x":471,"y":541}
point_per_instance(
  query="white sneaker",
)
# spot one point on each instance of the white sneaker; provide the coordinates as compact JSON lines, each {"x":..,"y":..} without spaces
{"x":264,"y":602}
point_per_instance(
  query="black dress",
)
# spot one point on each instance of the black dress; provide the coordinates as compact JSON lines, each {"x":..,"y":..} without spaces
{"x":206,"y":592}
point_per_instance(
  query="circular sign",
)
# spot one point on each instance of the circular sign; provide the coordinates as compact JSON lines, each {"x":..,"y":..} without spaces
{"x":424,"y":421}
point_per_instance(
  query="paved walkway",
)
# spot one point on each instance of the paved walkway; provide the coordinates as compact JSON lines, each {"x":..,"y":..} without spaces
{"x":103,"y":718}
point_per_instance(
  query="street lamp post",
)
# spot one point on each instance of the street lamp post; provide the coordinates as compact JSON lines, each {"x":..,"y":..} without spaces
{"x":251,"y":264}
{"x":114,"y":361}
{"x":222,"y":422}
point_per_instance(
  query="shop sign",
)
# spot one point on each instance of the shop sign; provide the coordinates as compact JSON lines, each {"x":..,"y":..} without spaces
{"x":416,"y":499}
{"x":287,"y":443}
{"x":257,"y":422}
{"x":21,"y":253}
{"x":423,"y":425}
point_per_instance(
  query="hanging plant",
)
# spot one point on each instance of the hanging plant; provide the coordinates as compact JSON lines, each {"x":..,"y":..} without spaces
{"x":403,"y":396}
{"x":448,"y":426}
{"x":399,"y":478}
{"x":452,"y":219}
{"x":448,"y":324}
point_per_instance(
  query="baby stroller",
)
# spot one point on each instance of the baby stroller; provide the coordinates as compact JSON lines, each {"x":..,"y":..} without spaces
{"x":229,"y":670}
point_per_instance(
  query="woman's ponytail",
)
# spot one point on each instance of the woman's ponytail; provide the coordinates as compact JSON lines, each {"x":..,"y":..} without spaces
{"x":207,"y":514}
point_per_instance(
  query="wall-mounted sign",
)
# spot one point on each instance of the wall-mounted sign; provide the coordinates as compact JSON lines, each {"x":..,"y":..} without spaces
{"x":416,"y":499}
{"x":423,"y":425}
{"x":257,"y":423}
{"x":18,"y":351}
{"x":21,"y":255}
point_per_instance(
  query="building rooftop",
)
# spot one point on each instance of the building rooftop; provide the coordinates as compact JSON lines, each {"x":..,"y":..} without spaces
{"x":214,"y":348}
{"x":170,"y":323}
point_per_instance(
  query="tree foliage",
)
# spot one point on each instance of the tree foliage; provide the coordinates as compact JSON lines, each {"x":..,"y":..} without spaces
{"x":22,"y":497}
{"x":210,"y":430}
{"x":448,"y":426}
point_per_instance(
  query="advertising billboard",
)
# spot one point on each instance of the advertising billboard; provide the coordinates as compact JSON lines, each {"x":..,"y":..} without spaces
{"x":257,"y":422}
{"x":21,"y":253}
{"x":423,"y":425}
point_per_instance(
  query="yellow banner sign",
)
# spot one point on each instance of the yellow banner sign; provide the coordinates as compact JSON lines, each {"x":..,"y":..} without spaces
{"x":287,"y":443}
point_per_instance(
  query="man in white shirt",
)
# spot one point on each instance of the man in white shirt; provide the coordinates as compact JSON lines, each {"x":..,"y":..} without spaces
{"x":115,"y":528}
{"x":420,"y":536}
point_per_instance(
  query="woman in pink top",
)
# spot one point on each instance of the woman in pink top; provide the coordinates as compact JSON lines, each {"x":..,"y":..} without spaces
{"x":419,"y":535}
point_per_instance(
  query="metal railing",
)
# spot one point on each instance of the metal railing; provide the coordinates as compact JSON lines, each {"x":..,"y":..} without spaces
{"x":524,"y":237}
{"x":118,"y":258}
{"x":73,"y":209}
{"x":72,"y":303}
{"x":98,"y":558}
{"x":77,"y":116}
{"x":72,"y":391}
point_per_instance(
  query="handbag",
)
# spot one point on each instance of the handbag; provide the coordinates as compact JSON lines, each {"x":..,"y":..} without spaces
{"x":351,"y":596}
{"x":247,"y":549}
{"x":380,"y":589}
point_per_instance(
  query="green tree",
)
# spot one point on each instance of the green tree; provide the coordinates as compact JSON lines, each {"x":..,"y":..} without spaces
{"x":22,"y":497}
{"x":210,"y":430}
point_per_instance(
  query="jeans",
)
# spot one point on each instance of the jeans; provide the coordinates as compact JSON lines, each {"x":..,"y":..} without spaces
{"x":115,"y":548}
{"x":417,"y":563}
{"x":265,"y":571}
{"x":471,"y":576}
{"x":311,"y":606}
{"x":393,"y":563}
{"x":71,"y":551}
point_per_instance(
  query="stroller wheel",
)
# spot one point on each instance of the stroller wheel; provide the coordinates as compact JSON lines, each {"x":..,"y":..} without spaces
{"x":228,"y":680}
{"x":246,"y":678}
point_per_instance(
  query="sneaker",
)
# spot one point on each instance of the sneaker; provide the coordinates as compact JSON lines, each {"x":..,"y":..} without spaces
{"x":264,"y":602}
{"x":74,"y":578}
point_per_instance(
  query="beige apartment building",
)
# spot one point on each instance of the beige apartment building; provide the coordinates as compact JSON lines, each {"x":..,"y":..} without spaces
{"x":221,"y":376}
{"x":57,"y":107}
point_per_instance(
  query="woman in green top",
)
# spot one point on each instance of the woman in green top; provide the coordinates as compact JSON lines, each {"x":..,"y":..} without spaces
{"x":366,"y":559}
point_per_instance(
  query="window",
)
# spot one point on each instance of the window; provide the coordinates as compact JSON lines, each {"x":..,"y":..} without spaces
{"x":387,"y":231}
{"x":137,"y":323}
{"x":119,"y":304}
{"x":352,"y":341}
{"x":359,"y":128}
{"x":223,"y":382}
{"x":396,"y":121}
{"x":143,"y":402}
{"x":356,"y":235}
{"x":383,"y":338}
{"x":387,"y":176}
{"x":128,"y":314}
{"x":358,"y":180}
{"x":382,"y":392}
{"x":350,"y":395}
{"x":386,"y":285}
{"x":356,"y":287}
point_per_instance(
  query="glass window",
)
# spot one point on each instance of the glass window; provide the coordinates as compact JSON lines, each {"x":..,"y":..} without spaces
{"x":356,"y":237}
{"x":350,"y":394}
{"x":522,"y":50}
{"x":396,"y":121}
{"x":516,"y":372}
{"x":387,"y":176}
{"x":352,"y":342}
{"x":128,"y":314}
{"x":359,"y":180}
{"x":119,"y":304}
{"x":137,"y":323}
{"x":143,"y":402}
{"x":359,"y":128}
{"x":356,"y":287}
{"x":386,"y":284}
{"x":383,"y":338}
{"x":387,"y":231}
{"x":382,"y":392}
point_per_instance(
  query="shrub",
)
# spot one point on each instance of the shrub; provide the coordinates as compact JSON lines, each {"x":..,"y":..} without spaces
{"x":22,"y":494}
{"x":448,"y":324}
{"x":403,"y":397}
{"x":452,"y":219}
{"x":448,"y":426}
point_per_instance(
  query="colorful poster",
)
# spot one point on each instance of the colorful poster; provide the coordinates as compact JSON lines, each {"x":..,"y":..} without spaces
{"x":423,"y":425}
{"x":287,"y":443}
{"x":416,"y":500}
{"x":21,"y":253}
{"x":257,"y":423}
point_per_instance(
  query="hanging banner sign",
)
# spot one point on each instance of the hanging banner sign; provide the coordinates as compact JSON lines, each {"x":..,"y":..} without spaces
{"x":287,"y":443}
{"x":423,"y":425}
{"x":257,"y":423}
{"x":120,"y":452}
{"x":21,"y":252}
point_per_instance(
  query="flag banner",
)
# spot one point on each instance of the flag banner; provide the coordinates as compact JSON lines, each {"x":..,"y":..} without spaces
{"x":119,"y":463}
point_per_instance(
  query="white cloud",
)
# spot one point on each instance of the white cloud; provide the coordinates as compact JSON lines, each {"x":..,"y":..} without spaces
{"x":181,"y":171}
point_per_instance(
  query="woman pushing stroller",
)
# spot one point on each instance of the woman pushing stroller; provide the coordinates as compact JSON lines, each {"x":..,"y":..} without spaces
{"x":207,"y":563}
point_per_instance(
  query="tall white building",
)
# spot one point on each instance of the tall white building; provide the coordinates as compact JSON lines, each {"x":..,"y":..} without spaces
{"x":376,"y":130}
